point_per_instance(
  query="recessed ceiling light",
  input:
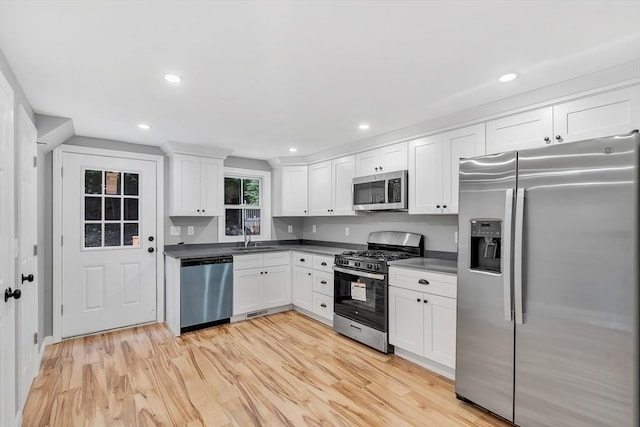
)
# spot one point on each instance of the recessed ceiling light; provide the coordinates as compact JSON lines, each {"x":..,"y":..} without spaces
{"x":508,"y":77}
{"x":293,"y":150}
{"x":173,"y":78}
{"x":144,"y":126}
{"x":363,"y":126}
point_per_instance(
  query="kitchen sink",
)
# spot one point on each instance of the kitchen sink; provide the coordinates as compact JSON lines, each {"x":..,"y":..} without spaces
{"x":253,"y":248}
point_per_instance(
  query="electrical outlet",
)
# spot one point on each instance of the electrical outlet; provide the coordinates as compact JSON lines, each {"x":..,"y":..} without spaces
{"x":174,"y":230}
{"x":313,"y":228}
{"x":190,"y":230}
{"x":346,"y":231}
{"x":289,"y":228}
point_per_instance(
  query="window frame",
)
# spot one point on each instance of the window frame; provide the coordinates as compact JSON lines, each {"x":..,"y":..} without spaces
{"x":265,"y":204}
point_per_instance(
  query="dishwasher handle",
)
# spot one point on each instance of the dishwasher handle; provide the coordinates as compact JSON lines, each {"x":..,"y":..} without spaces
{"x":222,"y":259}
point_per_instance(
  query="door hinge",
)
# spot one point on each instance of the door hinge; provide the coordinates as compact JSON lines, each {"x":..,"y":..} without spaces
{"x":60,"y":172}
{"x":61,"y":309}
{"x":35,"y":250}
{"x":35,"y":161}
{"x":35,"y":338}
{"x":61,"y":241}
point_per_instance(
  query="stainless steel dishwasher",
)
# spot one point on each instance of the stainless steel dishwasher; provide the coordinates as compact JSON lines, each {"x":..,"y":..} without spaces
{"x":206,"y":292}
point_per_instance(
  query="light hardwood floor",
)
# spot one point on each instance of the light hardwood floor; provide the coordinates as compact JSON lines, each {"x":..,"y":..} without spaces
{"x":284,"y":369}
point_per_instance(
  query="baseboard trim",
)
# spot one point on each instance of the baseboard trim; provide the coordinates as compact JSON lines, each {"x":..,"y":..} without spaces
{"x":431,"y":365}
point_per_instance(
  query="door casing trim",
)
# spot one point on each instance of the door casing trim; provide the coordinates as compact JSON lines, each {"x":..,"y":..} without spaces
{"x":57,"y":225}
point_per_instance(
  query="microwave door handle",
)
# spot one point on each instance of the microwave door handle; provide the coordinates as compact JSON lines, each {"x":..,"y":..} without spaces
{"x":506,"y":255}
{"x":517,"y":257}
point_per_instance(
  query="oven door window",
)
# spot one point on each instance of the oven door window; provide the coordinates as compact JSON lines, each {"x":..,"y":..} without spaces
{"x":360,"y":299}
{"x":369,"y":193}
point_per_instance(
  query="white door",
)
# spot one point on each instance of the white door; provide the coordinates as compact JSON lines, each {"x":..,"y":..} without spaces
{"x":27,"y":305}
{"x":393,"y":157}
{"x":211,"y":181}
{"x":320,"y":189}
{"x":440,"y":329}
{"x":277,"y":286}
{"x":530,"y":129}
{"x":425,"y":175}
{"x":109,"y":254}
{"x":368,"y":162}
{"x":247,"y":290}
{"x":303,"y":287}
{"x":8,"y":403}
{"x":406,"y":322}
{"x":294,"y":190}
{"x":343,"y":170}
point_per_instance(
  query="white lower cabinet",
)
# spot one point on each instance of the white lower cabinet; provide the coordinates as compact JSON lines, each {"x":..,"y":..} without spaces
{"x":261,"y":281}
{"x":422,"y":316}
{"x":313,"y":285}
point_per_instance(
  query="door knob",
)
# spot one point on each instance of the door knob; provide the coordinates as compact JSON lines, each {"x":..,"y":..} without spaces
{"x":151,"y":250}
{"x":8,"y":293}
{"x":28,"y":278}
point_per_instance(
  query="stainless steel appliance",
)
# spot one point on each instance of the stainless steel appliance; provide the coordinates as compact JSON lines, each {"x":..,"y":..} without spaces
{"x":206,"y":292}
{"x":548,"y":286}
{"x":361,"y":286}
{"x":383,"y":191}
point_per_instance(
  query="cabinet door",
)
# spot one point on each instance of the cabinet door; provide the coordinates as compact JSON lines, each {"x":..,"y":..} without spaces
{"x":525,"y":130}
{"x":406,"y":319}
{"x":440,"y":329}
{"x":367,"y":162}
{"x":303,"y":287}
{"x":343,"y":170}
{"x":393,"y":157}
{"x":212,"y":178}
{"x":425,"y":175}
{"x":294,"y":190}
{"x":458,"y":144}
{"x":276,"y":286}
{"x":605,"y":114}
{"x":320,"y":189}
{"x":185,"y":185}
{"x":247,"y":291}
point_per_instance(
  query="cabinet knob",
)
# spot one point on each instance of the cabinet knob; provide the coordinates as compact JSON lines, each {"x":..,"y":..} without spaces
{"x":28,"y":278}
{"x":438,"y":206}
{"x":380,"y":167}
{"x":8,"y":293}
{"x":151,"y":250}
{"x":202,"y":210}
{"x":376,"y":169}
{"x":324,"y":264}
{"x":423,"y":281}
{"x":266,"y":272}
{"x":198,"y":210}
{"x":302,"y":260}
{"x":558,"y":138}
{"x":426,"y":301}
{"x":262,"y":272}
{"x":547,"y":140}
{"x":309,"y":274}
{"x":323,"y":305}
{"x":305,"y":211}
{"x":328,"y":210}
{"x":324,"y":282}
{"x":444,"y":206}
{"x":418,"y":299}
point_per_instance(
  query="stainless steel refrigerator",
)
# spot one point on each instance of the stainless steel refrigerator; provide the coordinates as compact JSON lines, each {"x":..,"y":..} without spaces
{"x":547,"y":320}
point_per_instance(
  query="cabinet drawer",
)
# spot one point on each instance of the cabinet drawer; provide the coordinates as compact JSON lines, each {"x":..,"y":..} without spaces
{"x":276,"y":258}
{"x":241,"y":262}
{"x":303,"y":259}
{"x":323,"y":305}
{"x":323,"y":283}
{"x":424,"y":281}
{"x":323,"y":263}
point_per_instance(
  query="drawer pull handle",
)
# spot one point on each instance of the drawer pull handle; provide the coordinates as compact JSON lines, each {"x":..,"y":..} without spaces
{"x":323,"y":305}
{"x":324,"y":282}
{"x":423,"y":282}
{"x":324,"y":264}
{"x":302,"y":260}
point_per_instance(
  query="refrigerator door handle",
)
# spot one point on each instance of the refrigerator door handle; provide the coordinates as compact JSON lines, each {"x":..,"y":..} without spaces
{"x":506,"y":255}
{"x":517,"y":257}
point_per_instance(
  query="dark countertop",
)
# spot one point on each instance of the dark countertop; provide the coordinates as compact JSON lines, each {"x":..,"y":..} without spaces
{"x":429,"y":264}
{"x":191,"y":252}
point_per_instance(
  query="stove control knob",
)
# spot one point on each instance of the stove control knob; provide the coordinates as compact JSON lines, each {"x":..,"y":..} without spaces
{"x":356,"y":264}
{"x":377,"y":267}
{"x":369,"y":266}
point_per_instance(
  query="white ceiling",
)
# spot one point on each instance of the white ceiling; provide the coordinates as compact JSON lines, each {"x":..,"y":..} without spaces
{"x":262,"y":76}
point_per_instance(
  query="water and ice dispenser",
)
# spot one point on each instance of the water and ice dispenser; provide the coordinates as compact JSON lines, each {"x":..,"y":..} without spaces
{"x":486,"y":245}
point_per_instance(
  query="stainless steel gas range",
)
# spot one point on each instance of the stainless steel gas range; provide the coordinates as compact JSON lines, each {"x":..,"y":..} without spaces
{"x":361,"y":286}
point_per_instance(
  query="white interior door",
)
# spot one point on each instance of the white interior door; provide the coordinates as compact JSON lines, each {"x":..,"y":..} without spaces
{"x":109,"y":256}
{"x":8,"y":403}
{"x":26,"y":280}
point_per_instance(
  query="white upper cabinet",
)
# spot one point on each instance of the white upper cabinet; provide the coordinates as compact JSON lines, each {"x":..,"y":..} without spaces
{"x":385,"y":159}
{"x":330,"y":187}
{"x":320,"y":188}
{"x":434,"y":164}
{"x":290,"y":191}
{"x":605,"y":114}
{"x":196,"y":185}
{"x":425,"y":175}
{"x":458,"y":144}
{"x":519,"y":131}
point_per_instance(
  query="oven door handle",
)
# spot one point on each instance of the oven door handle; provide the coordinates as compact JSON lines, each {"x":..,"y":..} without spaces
{"x":373,"y":276}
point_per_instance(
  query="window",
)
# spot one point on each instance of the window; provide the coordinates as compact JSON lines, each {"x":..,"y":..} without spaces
{"x":111,"y":209}
{"x":246,"y":205}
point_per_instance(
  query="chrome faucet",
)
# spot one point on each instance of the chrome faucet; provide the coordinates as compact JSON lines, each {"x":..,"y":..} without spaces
{"x":247,"y":238}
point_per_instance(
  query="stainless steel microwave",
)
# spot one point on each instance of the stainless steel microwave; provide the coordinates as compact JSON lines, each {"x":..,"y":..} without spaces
{"x":383,"y":191}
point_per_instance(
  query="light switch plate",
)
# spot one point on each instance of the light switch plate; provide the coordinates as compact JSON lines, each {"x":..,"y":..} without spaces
{"x":313,"y":228}
{"x":174,"y":230}
{"x":190,"y":230}
{"x":346,"y":231}
{"x":289,"y":228}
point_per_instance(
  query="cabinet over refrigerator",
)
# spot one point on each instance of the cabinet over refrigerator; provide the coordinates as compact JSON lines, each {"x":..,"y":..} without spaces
{"x":548,"y":323}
